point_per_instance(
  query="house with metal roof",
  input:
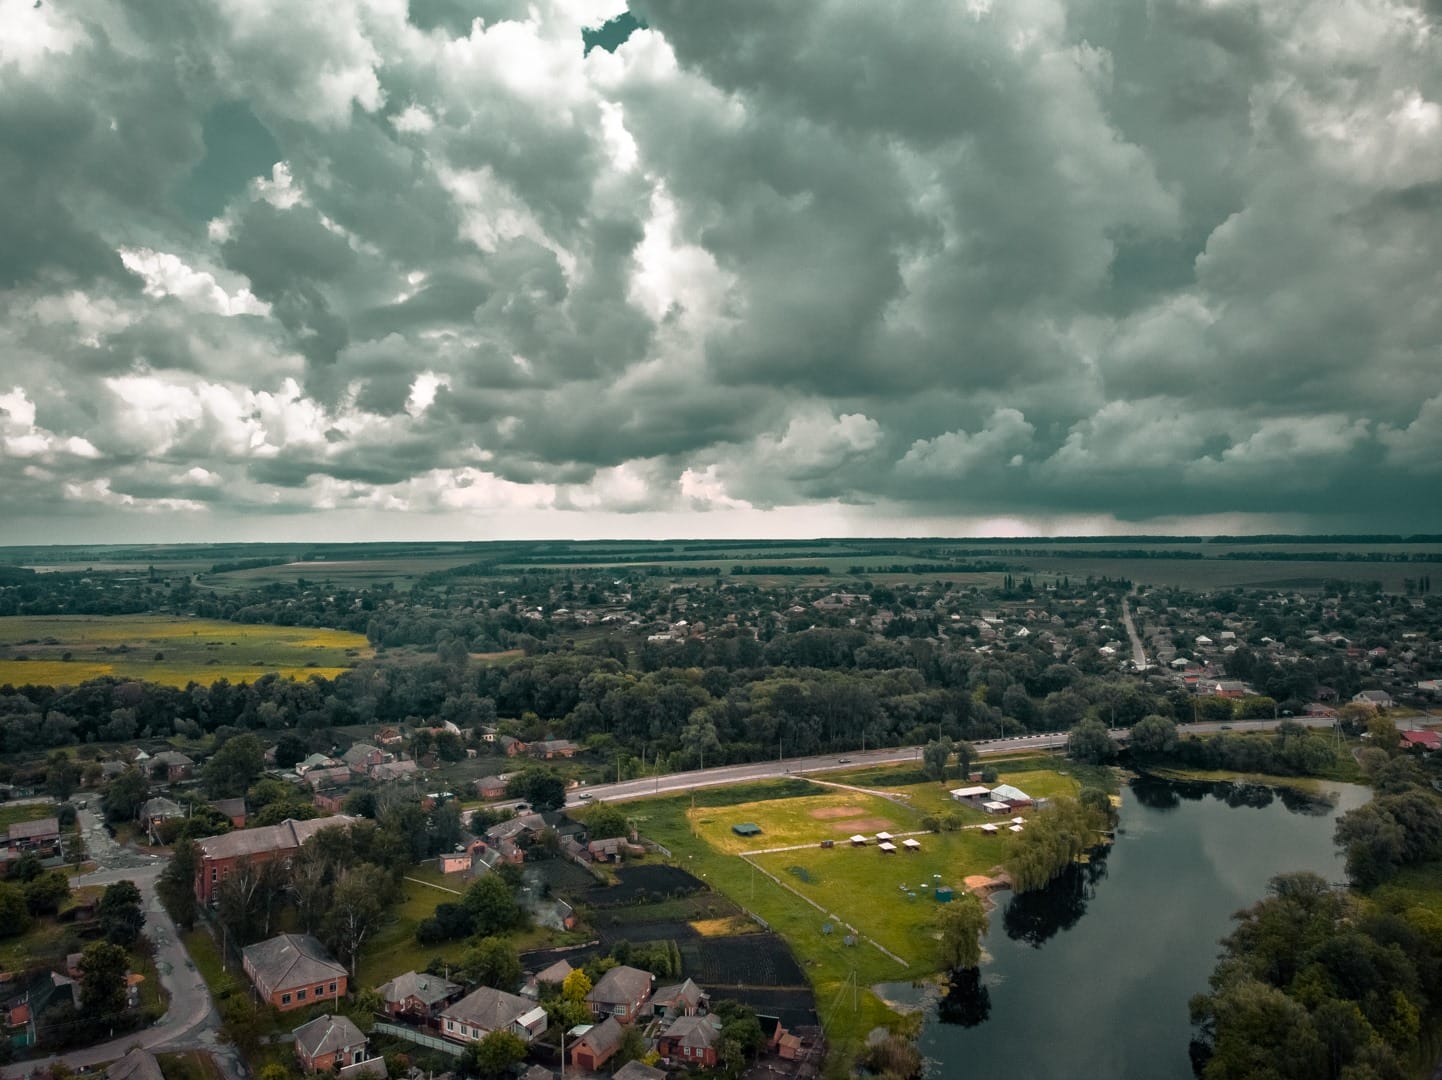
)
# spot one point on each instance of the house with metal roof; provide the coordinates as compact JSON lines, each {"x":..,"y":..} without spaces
{"x":329,"y":1042}
{"x":478,"y":1014}
{"x":291,"y":971}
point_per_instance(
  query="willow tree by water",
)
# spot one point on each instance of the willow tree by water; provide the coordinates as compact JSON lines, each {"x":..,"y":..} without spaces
{"x":1055,"y":836}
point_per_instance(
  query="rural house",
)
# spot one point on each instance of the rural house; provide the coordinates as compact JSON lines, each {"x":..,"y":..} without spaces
{"x":486,"y":1010}
{"x":638,"y":1070}
{"x":418,"y":995}
{"x":291,"y":971}
{"x":219,"y":855}
{"x":554,"y":975}
{"x":549,"y":749}
{"x":155,"y":812}
{"x":489,"y":788}
{"x":329,"y":1042}
{"x":680,"y":999}
{"x":41,"y":837}
{"x":597,"y":1045}
{"x":233,"y":809}
{"x":621,"y":993}
{"x":171,"y":766}
{"x":1373,"y":699}
{"x":692,"y":1039}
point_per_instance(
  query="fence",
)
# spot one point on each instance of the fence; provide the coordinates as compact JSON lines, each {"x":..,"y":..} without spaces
{"x":420,"y":1038}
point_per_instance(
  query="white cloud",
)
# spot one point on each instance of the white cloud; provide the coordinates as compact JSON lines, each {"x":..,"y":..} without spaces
{"x":168,"y":275}
{"x":1002,"y":441}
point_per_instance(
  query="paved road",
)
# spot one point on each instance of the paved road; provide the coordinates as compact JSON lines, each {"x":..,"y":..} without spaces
{"x":1139,"y":654}
{"x":191,"y":1022}
{"x":769,"y":770}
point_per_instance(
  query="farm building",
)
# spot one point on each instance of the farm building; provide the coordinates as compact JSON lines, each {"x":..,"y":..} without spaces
{"x":996,"y":807}
{"x":1014,"y":797}
{"x":973,"y":793}
{"x":746,"y":828}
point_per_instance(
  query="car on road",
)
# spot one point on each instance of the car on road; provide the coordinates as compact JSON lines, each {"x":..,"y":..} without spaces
{"x":843,"y":761}
{"x":585,"y":796}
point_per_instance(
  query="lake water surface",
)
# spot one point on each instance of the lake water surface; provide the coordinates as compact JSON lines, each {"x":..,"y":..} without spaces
{"x":1091,"y":977}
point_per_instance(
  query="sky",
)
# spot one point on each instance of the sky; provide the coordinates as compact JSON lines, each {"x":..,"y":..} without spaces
{"x":372,"y":269}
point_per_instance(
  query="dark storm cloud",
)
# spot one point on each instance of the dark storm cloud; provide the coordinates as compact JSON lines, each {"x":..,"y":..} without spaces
{"x":1134,"y":261}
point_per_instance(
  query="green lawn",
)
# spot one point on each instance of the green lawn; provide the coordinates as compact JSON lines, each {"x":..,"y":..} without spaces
{"x":828,"y":815}
{"x":864,"y":887}
{"x":394,"y":949}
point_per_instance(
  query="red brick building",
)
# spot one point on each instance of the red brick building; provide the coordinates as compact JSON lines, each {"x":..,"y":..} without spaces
{"x":291,"y":971}
{"x":219,"y":855}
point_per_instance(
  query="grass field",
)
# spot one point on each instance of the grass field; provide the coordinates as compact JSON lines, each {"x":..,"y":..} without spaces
{"x":166,"y":650}
{"x":870,"y":890}
{"x":834,"y":815}
{"x":10,"y":815}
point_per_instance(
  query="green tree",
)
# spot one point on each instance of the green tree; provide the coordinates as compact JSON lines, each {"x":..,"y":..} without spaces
{"x":604,"y":820}
{"x":965,"y":756}
{"x":699,"y":736}
{"x":960,"y":926}
{"x":493,"y":906}
{"x":14,"y":911}
{"x":539,"y":786}
{"x":62,"y":776}
{"x":121,"y":916}
{"x":934,"y":758}
{"x":491,"y":961}
{"x":1090,"y":742}
{"x":45,"y":894}
{"x":494,"y":1055}
{"x":235,"y":766}
{"x":124,"y":796}
{"x":176,"y":885}
{"x":1374,"y":844}
{"x":103,"y":967}
{"x":1153,"y":736}
{"x":359,"y":904}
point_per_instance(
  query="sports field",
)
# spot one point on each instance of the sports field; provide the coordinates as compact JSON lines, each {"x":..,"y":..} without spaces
{"x":64,"y":650}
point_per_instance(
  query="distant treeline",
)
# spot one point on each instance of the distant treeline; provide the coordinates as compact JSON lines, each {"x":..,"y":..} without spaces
{"x":933,"y":568}
{"x":1197,"y":556}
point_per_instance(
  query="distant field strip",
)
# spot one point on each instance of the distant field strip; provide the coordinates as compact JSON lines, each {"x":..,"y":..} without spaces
{"x":64,"y":650}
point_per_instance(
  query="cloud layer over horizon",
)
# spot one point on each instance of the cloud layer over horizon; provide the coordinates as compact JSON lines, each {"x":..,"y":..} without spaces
{"x":383,"y":269}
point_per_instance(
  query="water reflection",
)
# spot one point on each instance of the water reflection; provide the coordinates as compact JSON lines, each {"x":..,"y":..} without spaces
{"x":1158,"y":794}
{"x":965,"y":1002}
{"x":1038,"y":916}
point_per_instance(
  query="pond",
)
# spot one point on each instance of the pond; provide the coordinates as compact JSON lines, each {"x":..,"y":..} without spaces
{"x":1091,"y":977}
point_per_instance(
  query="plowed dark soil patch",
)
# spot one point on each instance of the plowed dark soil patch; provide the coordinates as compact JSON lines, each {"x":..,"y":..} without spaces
{"x":637,"y":884}
{"x":748,"y":960}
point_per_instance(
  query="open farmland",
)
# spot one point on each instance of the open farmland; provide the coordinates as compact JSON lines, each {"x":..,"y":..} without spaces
{"x":350,"y":573}
{"x":64,"y":650}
